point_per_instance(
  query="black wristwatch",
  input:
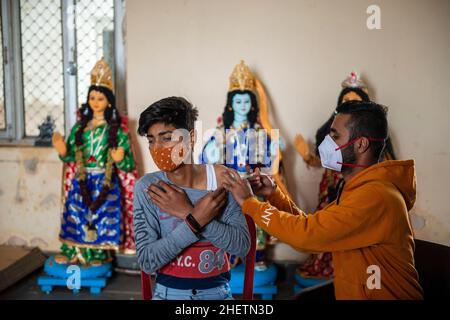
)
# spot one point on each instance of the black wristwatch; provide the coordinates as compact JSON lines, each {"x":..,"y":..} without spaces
{"x":194,"y":223}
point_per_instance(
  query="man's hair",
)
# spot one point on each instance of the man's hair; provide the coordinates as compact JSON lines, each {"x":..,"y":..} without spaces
{"x":174,"y":111}
{"x":367,"y":119}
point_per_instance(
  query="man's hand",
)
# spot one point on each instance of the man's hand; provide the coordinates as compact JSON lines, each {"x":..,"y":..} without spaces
{"x":240,"y":188}
{"x":262,"y":184}
{"x":170,"y":199}
{"x":208,"y":207}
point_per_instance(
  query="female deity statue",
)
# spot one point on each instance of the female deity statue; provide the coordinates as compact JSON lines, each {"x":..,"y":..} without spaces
{"x":99,"y":178}
{"x":244,"y":138}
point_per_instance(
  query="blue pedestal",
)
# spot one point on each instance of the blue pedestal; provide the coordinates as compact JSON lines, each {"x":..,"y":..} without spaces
{"x":93,"y":277}
{"x":263,"y":282}
{"x":303,"y":282}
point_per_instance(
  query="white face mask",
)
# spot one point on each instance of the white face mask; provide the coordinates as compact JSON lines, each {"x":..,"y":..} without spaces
{"x":330,"y":154}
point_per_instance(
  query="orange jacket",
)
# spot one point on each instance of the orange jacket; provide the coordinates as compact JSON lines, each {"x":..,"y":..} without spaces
{"x":368,"y":225}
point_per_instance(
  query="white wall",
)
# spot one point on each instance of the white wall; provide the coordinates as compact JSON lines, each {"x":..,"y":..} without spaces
{"x":30,"y":197}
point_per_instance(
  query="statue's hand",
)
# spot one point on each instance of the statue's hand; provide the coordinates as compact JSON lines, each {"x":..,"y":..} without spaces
{"x":59,"y":144}
{"x":117,"y":154}
{"x":212,"y":152}
{"x":302,"y":147}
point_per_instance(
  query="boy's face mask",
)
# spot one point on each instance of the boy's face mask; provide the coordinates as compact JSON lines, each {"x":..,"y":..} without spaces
{"x":331,"y":154}
{"x":169,"y":158}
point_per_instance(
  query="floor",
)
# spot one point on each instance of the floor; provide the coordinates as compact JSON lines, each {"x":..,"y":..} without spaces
{"x":120,"y":287}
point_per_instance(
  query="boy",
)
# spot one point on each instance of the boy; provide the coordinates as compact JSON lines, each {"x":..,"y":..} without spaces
{"x":185,"y":222}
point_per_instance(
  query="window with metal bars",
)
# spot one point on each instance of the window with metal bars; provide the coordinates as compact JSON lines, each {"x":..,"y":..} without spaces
{"x":48,"y":50}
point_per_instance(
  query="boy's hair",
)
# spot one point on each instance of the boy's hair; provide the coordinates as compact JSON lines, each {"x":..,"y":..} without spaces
{"x":176,"y":111}
{"x":368,"y":119}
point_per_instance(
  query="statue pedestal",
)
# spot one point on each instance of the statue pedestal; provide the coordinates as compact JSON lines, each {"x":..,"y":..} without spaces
{"x":43,"y":143}
{"x":306,"y":282}
{"x":126,"y":263}
{"x":93,"y":277}
{"x":263,"y":281}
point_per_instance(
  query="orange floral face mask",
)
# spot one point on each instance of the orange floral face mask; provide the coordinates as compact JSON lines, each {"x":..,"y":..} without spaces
{"x":167,"y":159}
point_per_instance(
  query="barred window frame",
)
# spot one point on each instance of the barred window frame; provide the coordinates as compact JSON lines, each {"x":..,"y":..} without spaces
{"x":15,"y":131}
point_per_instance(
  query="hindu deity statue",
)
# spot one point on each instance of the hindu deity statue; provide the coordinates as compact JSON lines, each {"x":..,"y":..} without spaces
{"x":244,"y":138}
{"x":98,"y":180}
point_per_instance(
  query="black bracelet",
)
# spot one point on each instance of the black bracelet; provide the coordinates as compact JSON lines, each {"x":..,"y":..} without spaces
{"x":193,"y":222}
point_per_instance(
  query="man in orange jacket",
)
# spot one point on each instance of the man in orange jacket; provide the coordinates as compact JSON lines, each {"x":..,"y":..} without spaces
{"x":367,"y":228}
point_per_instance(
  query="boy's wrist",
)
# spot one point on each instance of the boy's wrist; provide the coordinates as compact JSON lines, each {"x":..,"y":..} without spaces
{"x":193,"y":223}
{"x":187,"y":211}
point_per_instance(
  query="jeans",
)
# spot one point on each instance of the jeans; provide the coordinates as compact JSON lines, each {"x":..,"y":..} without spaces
{"x":218,"y":293}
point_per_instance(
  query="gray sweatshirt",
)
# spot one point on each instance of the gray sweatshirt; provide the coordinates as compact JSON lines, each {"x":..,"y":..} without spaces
{"x":160,"y":237}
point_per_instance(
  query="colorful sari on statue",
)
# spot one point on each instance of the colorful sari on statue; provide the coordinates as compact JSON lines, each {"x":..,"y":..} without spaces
{"x":110,"y":227}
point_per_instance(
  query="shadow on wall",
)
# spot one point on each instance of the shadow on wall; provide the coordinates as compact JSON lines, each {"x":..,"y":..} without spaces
{"x":138,"y":156}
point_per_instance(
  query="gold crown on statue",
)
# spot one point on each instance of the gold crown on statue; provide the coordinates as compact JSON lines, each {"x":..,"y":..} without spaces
{"x":242,"y":78}
{"x":353,"y":81}
{"x":101,"y":75}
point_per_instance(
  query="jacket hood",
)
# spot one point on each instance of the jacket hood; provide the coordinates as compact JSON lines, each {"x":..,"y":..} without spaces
{"x":401,"y":173}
